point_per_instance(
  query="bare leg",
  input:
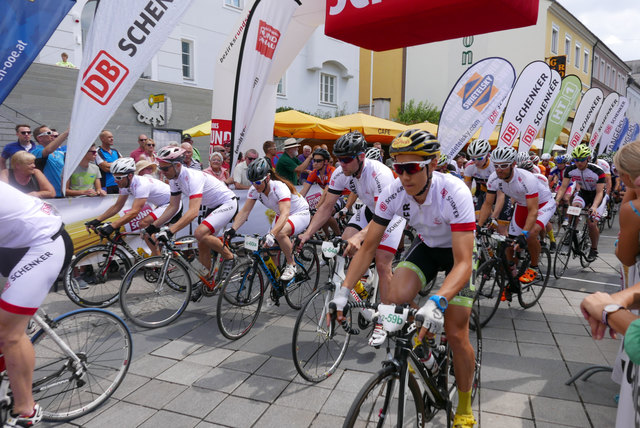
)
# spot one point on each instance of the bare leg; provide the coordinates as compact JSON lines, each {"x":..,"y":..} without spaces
{"x":19,"y":357}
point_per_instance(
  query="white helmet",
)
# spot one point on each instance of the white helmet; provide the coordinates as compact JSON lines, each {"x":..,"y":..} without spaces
{"x":504,"y":154}
{"x":545,"y":156}
{"x":478,"y":148}
{"x":372,"y":153}
{"x":524,"y":161}
{"x":123,"y":166}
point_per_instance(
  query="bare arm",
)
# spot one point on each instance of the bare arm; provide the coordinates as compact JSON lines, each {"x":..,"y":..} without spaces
{"x":628,"y":247}
{"x":305,"y":188}
{"x":55,"y":144}
{"x":243,"y":214}
{"x":46,"y":188}
{"x":485,"y":210}
{"x":3,"y":163}
{"x":113,"y":209}
{"x":322,"y":215}
{"x":133,"y":212}
{"x":285,"y":208}
{"x":187,"y":217}
{"x":361,"y":261}
{"x":303,"y":165}
{"x":562,"y":189}
{"x":172,"y":209}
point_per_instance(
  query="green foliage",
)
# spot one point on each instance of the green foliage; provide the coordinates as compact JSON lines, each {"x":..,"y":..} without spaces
{"x":412,"y":112}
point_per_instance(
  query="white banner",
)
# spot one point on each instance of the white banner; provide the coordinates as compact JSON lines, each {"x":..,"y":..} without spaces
{"x":584,"y":117}
{"x":524,"y":101}
{"x":490,"y":124}
{"x":609,"y":107}
{"x":124,"y":36}
{"x":534,"y":122}
{"x":472,"y":100}
{"x":613,"y":126}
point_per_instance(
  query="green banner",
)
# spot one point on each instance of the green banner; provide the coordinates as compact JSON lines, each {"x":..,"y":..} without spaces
{"x":564,"y":103}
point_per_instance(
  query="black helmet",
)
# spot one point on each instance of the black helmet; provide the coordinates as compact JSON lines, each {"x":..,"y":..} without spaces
{"x":258,"y":169}
{"x":322,"y":152}
{"x":415,"y":142}
{"x":350,"y":144}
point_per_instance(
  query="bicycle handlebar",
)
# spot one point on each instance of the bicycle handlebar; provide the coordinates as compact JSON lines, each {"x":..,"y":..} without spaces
{"x":398,"y":309}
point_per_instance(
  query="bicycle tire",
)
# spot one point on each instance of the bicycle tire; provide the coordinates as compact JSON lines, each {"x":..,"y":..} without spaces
{"x":103,"y":343}
{"x":84,"y":282}
{"x":563,"y":253}
{"x":530,"y":293}
{"x":612,"y":211}
{"x":149,"y":304}
{"x":316,"y":356}
{"x":585,"y":245}
{"x":240,"y":300}
{"x":489,"y":284}
{"x":306,"y":282}
{"x":377,"y":402}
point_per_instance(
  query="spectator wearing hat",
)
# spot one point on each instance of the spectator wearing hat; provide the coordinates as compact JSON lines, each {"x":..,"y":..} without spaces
{"x":289,"y":167}
{"x":186,"y":138}
{"x":146,"y":167}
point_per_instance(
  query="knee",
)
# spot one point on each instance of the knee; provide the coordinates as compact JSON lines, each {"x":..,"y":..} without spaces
{"x":201,"y":233}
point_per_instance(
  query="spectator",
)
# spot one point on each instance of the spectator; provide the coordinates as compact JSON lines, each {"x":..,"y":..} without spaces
{"x":106,"y":155}
{"x":50,"y":155}
{"x":379,"y":147}
{"x":240,"y":179}
{"x":215,"y":167}
{"x":144,"y":167}
{"x":461,"y":160}
{"x":65,"y":61}
{"x":269,"y":149}
{"x":23,"y":132}
{"x":306,"y":152}
{"x":149,"y":152}
{"x":142,"y":141}
{"x":289,"y":167}
{"x":626,"y":161}
{"x":189,"y":161}
{"x":186,"y":138}
{"x":85,"y":180}
{"x":221,"y":149}
{"x":24,"y":176}
{"x":226,"y":163}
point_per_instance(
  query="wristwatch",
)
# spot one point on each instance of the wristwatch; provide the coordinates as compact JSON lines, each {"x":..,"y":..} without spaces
{"x":609,"y":309}
{"x":441,"y":302}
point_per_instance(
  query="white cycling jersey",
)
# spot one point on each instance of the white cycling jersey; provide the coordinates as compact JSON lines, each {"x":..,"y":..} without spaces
{"x":604,"y":165}
{"x":449,"y":203}
{"x":522,"y":186}
{"x":279,"y":192}
{"x":154,"y":191}
{"x":197,"y":184}
{"x":374,"y":178}
{"x":481,"y":175}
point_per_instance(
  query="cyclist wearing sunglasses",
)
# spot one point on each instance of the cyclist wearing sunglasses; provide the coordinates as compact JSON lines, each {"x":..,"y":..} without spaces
{"x":366,"y":178}
{"x":591,"y":179}
{"x":440,"y":208}
{"x":479,"y":168}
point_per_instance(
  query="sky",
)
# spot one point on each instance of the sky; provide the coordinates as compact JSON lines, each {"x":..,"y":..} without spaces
{"x":614,"y":22}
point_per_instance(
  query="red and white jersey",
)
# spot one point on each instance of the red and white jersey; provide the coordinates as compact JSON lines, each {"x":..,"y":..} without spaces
{"x":481,"y":175}
{"x":522,"y":186}
{"x":279,"y":192}
{"x":375,"y":177}
{"x":197,"y":184}
{"x":448,"y":208}
{"x":154,"y":191}
{"x":25,"y":221}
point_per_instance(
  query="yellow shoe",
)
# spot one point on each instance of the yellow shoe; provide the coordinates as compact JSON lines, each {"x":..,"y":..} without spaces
{"x":463,"y":421}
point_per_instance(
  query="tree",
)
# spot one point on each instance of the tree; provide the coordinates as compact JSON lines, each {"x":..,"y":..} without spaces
{"x":412,"y":112}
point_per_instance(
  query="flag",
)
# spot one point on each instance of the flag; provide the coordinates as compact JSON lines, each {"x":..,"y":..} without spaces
{"x":490,"y":124}
{"x":538,"y":116}
{"x":586,"y":113}
{"x":609,"y":106}
{"x":612,"y":126}
{"x":565,"y":102}
{"x":621,"y":132}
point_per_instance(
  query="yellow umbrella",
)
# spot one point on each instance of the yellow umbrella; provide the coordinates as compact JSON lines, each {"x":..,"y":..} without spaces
{"x":292,"y":123}
{"x":373,"y":128}
{"x":425,"y":126}
{"x":199,"y":130}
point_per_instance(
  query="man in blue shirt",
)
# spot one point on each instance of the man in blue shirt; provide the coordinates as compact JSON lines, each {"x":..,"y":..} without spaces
{"x":106,"y":155}
{"x":50,"y":155}
{"x":24,"y":143}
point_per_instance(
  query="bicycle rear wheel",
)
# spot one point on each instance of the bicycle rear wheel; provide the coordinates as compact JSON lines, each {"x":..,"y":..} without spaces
{"x":103,"y":343}
{"x":563,"y":253}
{"x":94,"y":275}
{"x":317,"y":355}
{"x":612,"y":210}
{"x":240,"y":300}
{"x":152,"y":296}
{"x":530,"y":293}
{"x":489,"y":284}
{"x":585,"y":245}
{"x":377,"y":402}
{"x":306,"y":280}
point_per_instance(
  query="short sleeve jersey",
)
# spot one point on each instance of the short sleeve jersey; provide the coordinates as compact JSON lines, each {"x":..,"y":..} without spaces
{"x":279,"y":192}
{"x":375,"y":177}
{"x":587,"y":179}
{"x":447,"y":208}
{"x":197,"y":184}
{"x":522,"y":186}
{"x":144,"y":187}
{"x":481,"y":175}
{"x":604,"y":165}
{"x":314,"y":177}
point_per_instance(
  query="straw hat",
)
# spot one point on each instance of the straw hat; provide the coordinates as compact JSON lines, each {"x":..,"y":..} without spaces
{"x":290,"y":143}
{"x":142,"y":164}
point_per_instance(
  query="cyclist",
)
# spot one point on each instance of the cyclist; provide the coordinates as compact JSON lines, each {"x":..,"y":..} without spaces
{"x":143,"y":189}
{"x":366,"y":178}
{"x":34,"y":249}
{"x":278,"y":194}
{"x":535,"y":160}
{"x":203,"y":190}
{"x":321,"y":175}
{"x":440,"y":208}
{"x":547,"y":163}
{"x":591,"y":179}
{"x":534,"y":204}
{"x":602,"y":162}
{"x":479,"y":168}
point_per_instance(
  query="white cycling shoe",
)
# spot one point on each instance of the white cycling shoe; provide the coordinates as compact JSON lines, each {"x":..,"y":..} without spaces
{"x":289,"y":273}
{"x":378,"y":336}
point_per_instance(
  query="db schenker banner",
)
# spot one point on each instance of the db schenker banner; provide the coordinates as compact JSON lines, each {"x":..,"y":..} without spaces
{"x":584,"y":117}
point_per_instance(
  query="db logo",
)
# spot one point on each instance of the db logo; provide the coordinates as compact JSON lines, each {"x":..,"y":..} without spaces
{"x":383,"y":206}
{"x":608,"y":129}
{"x":529,"y":135}
{"x":268,"y":37}
{"x":358,"y":4}
{"x":103,"y":77}
{"x":443,"y":192}
{"x":574,"y":140}
{"x":510,"y":133}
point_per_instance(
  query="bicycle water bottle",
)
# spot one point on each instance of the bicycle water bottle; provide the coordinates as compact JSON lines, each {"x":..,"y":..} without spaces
{"x":271,"y":265}
{"x":362,"y":292}
{"x":143,"y":253}
{"x":423,"y":352}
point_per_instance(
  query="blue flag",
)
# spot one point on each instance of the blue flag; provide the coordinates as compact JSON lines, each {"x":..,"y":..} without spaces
{"x":621,"y":134}
{"x":25,"y":27}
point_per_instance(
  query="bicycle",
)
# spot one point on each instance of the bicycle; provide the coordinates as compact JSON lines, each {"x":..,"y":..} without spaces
{"x":317,"y":352}
{"x":81,"y":359}
{"x":574,"y":242}
{"x":498,"y":278}
{"x":612,"y":211}
{"x":157,"y":290}
{"x":404,"y":393}
{"x":243,"y":291}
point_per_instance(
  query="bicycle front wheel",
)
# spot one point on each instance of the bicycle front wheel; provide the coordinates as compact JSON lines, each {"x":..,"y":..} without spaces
{"x":563,"y":254}
{"x":103,"y":343}
{"x":316,"y":353}
{"x":377,"y":402}
{"x":94,"y":275}
{"x":240,"y":300}
{"x":153,"y":295}
{"x":489,"y":284}
{"x":306,"y":280}
{"x":585,"y":245}
{"x":530,"y":293}
{"x":611,"y":214}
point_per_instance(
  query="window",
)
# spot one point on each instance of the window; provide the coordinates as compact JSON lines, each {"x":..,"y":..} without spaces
{"x":567,"y":47}
{"x":596,"y":67}
{"x":282,"y":87}
{"x":606,"y":76}
{"x":601,"y":74}
{"x":327,"y":88}
{"x":554,"y":39}
{"x":613,"y":78}
{"x":577,"y":56}
{"x":187,"y":59}
{"x":234,"y":3}
{"x":585,"y":64}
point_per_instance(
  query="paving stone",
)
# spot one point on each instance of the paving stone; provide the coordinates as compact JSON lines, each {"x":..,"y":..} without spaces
{"x":85,"y":420}
{"x":536,"y":350}
{"x":501,"y":421}
{"x":221,"y":379}
{"x":184,"y":372}
{"x":602,"y":416}
{"x":505,"y":403}
{"x":499,"y":334}
{"x":535,"y":337}
{"x":559,"y":411}
{"x":583,"y":355}
{"x":205,"y":424}
{"x":124,"y":415}
{"x":567,"y":328}
{"x":278,"y":417}
{"x":244,"y":361}
{"x":274,"y":341}
{"x":177,"y":349}
{"x":155,"y":394}
{"x":261,"y":388}
{"x":279,"y":368}
{"x":327,"y":421}
{"x":352,"y":381}
{"x":170,"y":419}
{"x":339,"y":403}
{"x":328,"y":383}
{"x":150,"y":365}
{"x":196,"y":401}
{"x":531,"y":325}
{"x":237,"y":412}
{"x":500,"y":346}
{"x":209,"y":356}
{"x":303,"y":397}
{"x":585,"y":342}
{"x":130,"y":383}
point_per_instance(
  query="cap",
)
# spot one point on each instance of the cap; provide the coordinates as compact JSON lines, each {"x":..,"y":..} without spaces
{"x":142,"y":164}
{"x":290,"y":143}
{"x":186,"y":137}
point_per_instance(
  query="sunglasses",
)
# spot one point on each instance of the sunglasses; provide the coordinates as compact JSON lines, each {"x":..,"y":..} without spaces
{"x":26,"y":132}
{"x":93,"y":151}
{"x":319,"y":160}
{"x":151,"y":145}
{"x":258,"y":182}
{"x":119,"y":177}
{"x":142,"y":139}
{"x":251,"y":159}
{"x":501,"y":165}
{"x":409,"y":167}
{"x":478,"y":158}
{"x":580,"y":159}
{"x":44,"y":133}
{"x":346,"y":160}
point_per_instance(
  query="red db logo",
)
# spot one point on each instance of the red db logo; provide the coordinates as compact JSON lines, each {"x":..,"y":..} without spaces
{"x":529,"y":135}
{"x":103,"y":77}
{"x":510,"y":134}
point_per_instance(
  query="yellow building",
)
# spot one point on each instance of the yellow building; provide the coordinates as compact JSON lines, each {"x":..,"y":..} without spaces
{"x":386,"y":92}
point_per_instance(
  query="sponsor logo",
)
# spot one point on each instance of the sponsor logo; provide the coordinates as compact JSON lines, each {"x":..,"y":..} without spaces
{"x":153,"y":113}
{"x":560,"y":112}
{"x":337,"y":8}
{"x":47,"y":209}
{"x":406,"y":210}
{"x":575,"y":139}
{"x":103,"y":77}
{"x":437,"y":221}
{"x":146,"y":21}
{"x":510,"y":133}
{"x":528,"y":102}
{"x":383,"y":206}
{"x":268,"y":37}
{"x":529,"y":135}
{"x":30,"y":265}
{"x":220,"y":131}
{"x":443,"y":192}
{"x":477,"y":92}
